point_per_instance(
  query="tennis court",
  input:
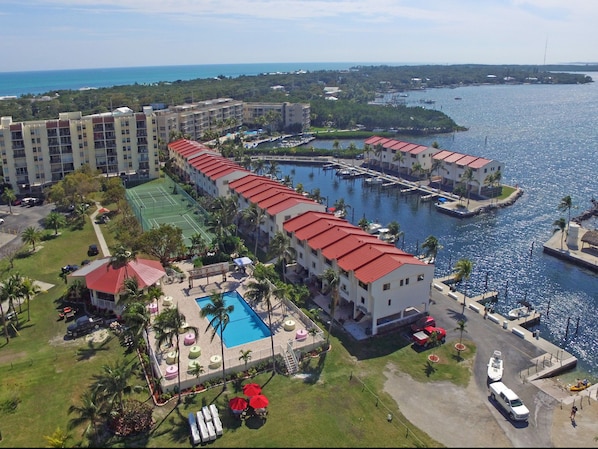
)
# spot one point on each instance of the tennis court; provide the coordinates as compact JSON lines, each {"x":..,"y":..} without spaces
{"x":164,"y":202}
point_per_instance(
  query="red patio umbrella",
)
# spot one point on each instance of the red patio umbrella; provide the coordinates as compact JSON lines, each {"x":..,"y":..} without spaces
{"x":237,"y":404}
{"x":103,"y":210}
{"x":251,"y":389}
{"x":259,"y":401}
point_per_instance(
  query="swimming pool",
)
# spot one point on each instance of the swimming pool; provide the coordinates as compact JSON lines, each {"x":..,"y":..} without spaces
{"x":244,"y":326}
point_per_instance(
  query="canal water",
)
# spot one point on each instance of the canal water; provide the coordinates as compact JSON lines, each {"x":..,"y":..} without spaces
{"x":546,"y":136}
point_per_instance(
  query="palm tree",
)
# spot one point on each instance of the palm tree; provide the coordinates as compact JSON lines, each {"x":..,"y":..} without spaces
{"x":332,"y":280}
{"x":31,"y":235}
{"x":14,"y":290}
{"x":166,"y":326}
{"x":437,"y":165}
{"x":467,"y":178}
{"x":463,"y":269}
{"x":55,"y":221}
{"x":28,"y":290}
{"x":90,"y":411}
{"x":399,"y":157}
{"x":197,"y":370}
{"x":245,"y":356}
{"x":121,"y":256}
{"x":394,"y":229}
{"x":560,"y":225}
{"x":281,"y":249}
{"x":258,"y":291}
{"x":111,"y":384}
{"x":137,"y":318}
{"x":9,"y":196}
{"x":431,"y":246}
{"x":255,"y":217}
{"x":565,"y":205}
{"x":4,"y":297}
{"x":154,"y":292}
{"x":219,"y":313}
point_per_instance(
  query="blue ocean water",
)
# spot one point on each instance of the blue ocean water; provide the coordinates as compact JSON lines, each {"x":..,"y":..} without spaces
{"x":546,"y":137}
{"x":24,"y":83}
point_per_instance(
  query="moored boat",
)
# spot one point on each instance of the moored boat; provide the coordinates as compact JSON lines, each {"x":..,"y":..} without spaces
{"x":520,"y":312}
{"x":495,"y":367}
{"x":580,"y":385}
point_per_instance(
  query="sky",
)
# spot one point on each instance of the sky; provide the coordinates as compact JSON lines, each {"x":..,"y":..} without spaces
{"x":71,"y":34}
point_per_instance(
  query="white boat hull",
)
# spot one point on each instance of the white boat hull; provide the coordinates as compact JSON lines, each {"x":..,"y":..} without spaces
{"x":495,"y":367}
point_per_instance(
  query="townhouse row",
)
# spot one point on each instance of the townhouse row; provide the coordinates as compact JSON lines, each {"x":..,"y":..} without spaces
{"x":380,"y":285}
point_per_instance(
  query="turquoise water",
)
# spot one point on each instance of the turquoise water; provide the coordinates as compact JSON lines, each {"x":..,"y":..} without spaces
{"x":245,"y":326}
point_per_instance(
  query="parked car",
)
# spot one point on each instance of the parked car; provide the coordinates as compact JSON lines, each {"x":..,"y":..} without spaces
{"x":423,"y":322}
{"x":508,"y":400}
{"x":69,"y":268}
{"x":92,"y":250}
{"x":84,"y":325}
{"x":422,"y":338}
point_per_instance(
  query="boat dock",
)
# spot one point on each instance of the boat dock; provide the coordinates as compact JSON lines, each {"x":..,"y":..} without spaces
{"x":557,"y":359}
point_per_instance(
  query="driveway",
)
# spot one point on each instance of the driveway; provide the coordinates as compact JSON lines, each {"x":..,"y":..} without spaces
{"x":468,"y":417}
{"x":20,"y":219}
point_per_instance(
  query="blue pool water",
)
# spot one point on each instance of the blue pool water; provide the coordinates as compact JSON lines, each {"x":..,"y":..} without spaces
{"x":244,"y":326}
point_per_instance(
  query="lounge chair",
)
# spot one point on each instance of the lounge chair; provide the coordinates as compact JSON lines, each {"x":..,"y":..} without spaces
{"x":195,"y":438}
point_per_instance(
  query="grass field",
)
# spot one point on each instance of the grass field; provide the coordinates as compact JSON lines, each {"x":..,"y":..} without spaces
{"x":339,"y":404}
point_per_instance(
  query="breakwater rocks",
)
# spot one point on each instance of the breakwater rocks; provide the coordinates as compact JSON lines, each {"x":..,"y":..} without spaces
{"x":593,"y":211}
{"x":478,"y":207}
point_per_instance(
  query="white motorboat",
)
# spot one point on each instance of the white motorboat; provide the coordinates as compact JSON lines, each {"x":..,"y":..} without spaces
{"x":519,"y":312}
{"x":495,"y":367}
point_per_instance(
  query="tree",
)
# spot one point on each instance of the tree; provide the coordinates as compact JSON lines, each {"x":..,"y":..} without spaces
{"x":280,"y":248}
{"x":218,"y":314}
{"x":398,"y":157}
{"x":28,"y":290}
{"x":461,"y":325}
{"x":565,"y":205}
{"x":431,"y":247}
{"x":58,"y":438}
{"x":560,"y":225}
{"x":332,"y":280}
{"x":166,"y":326}
{"x":254,"y":216}
{"x":394,"y":229}
{"x":91,"y":409}
{"x":112,"y":383}
{"x":31,"y":236}
{"x":258,"y":291}
{"x":137,"y":318}
{"x":55,"y":220}
{"x":9,"y":196}
{"x":163,"y":242}
{"x":245,"y":356}
{"x":467,"y":178}
{"x":363,"y":223}
{"x":462,"y":270}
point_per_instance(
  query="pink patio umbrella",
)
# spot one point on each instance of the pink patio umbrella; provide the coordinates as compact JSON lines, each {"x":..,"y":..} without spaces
{"x":252,"y":389}
{"x":258,"y":402}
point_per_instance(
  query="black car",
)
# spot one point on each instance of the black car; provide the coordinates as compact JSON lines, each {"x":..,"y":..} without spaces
{"x":93,"y":250}
{"x":69,"y":268}
{"x":84,"y":325}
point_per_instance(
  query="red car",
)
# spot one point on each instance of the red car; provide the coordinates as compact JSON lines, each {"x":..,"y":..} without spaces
{"x":423,"y":322}
{"x":422,"y":338}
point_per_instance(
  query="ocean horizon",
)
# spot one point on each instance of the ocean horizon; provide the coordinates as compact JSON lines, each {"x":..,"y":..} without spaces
{"x":23,"y":83}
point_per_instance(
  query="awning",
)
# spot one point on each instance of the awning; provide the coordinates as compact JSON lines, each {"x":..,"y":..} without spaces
{"x":242,"y":261}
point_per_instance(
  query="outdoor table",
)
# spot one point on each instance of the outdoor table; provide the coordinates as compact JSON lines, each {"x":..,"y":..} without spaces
{"x":194,"y":352}
{"x":189,"y":339}
{"x":301,"y":334}
{"x":167,"y":302}
{"x":153,"y":307}
{"x":171,"y":372}
{"x":183,"y":327}
{"x":171,"y":357}
{"x":289,"y":325}
{"x":215,"y":361}
{"x":192,"y":365}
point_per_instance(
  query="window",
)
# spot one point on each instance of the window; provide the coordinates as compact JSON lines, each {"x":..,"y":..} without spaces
{"x":386,"y":286}
{"x":420,"y":277}
{"x":407,"y":281}
{"x":389,"y":301}
{"x":401,"y":282}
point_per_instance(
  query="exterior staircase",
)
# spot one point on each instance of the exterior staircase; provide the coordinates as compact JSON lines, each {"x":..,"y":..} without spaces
{"x":290,"y":360}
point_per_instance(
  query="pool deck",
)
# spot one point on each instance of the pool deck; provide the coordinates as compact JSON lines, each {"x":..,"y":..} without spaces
{"x":184,"y":298}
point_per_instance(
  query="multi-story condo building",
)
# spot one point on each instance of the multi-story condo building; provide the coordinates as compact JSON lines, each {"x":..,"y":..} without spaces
{"x":37,"y":154}
{"x":290,"y":115}
{"x":194,"y":119}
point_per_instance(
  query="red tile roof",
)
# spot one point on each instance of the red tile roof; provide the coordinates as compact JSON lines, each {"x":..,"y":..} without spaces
{"x":110,"y":280}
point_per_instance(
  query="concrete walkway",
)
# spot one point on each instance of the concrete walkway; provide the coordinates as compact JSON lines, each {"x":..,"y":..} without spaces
{"x":98,"y":230}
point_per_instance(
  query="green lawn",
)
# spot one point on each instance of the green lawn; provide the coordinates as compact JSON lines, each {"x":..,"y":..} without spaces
{"x":340,"y":403}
